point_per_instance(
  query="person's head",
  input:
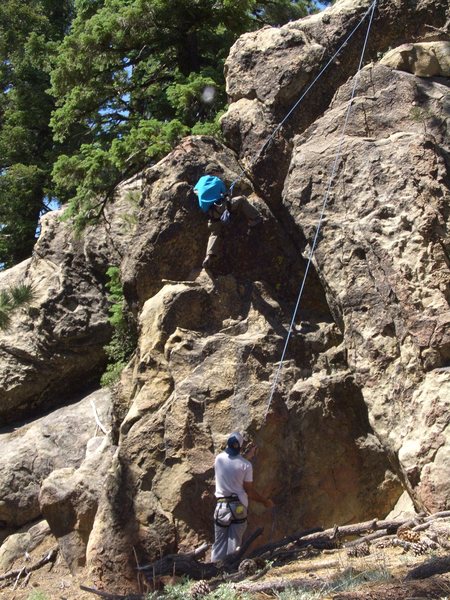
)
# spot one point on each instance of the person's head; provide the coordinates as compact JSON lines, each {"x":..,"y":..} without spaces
{"x":234,"y":443}
{"x":213,"y":169}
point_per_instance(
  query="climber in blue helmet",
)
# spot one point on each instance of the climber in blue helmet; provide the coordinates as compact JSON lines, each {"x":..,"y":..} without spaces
{"x":234,"y":486}
{"x":213,"y":199}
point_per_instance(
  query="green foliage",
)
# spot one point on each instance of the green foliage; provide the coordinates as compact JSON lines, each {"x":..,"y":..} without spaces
{"x":12,"y":299}
{"x":29,"y":32}
{"x":37,"y":595}
{"x":150,"y":139}
{"x":134,"y":76}
{"x":227,"y":592}
{"x":123,"y":340}
{"x":181,"y":591}
{"x":91,"y":91}
{"x":88,"y":178}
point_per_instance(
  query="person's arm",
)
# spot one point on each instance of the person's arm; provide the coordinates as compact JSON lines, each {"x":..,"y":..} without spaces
{"x":253,"y":494}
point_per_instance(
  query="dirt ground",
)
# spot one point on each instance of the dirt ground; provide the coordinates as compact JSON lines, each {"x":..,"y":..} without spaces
{"x":378,"y":576}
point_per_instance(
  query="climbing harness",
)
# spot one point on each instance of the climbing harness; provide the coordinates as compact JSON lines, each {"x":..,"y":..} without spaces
{"x":229,"y":511}
{"x":220,"y":211}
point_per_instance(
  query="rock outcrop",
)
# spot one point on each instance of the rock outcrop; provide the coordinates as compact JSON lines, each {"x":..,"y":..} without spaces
{"x":357,"y":415}
{"x":270,"y":69}
{"x":428,"y":59}
{"x":69,"y":500}
{"x":53,"y":348}
{"x":34,"y":451}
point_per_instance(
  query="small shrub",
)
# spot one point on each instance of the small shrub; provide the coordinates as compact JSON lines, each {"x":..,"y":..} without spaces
{"x":37,"y":595}
{"x":227,"y":592}
{"x":124,"y":339}
{"x":11,"y":300}
{"x":179,"y":591}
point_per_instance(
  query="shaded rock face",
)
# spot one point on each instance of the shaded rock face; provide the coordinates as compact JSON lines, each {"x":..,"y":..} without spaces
{"x":358,"y":411}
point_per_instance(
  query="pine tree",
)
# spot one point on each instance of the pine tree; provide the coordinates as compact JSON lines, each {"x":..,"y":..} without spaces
{"x":29,"y":32}
{"x":134,"y":76}
{"x":93,"y":90}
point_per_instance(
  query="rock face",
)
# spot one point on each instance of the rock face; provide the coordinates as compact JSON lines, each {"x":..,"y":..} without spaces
{"x":429,"y":59}
{"x":69,"y":500}
{"x":34,"y":451}
{"x":270,"y":69}
{"x":386,"y":235}
{"x":357,"y":414}
{"x":54,"y":348}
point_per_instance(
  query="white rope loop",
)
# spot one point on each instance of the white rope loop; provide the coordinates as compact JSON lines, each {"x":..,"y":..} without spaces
{"x":324,"y":203}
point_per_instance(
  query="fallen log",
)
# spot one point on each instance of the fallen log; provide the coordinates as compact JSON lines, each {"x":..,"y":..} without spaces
{"x":288,"y":539}
{"x":430,"y":519}
{"x":329,"y":538}
{"x":186,"y":564}
{"x":434,"y":566}
{"x":368,"y":538}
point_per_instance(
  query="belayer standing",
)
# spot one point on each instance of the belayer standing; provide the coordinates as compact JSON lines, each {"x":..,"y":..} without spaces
{"x":213,"y":200}
{"x":234,"y":486}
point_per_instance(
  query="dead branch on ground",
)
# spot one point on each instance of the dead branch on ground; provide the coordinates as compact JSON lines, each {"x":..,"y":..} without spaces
{"x":187,"y":564}
{"x":111,"y":596}
{"x":17,"y":574}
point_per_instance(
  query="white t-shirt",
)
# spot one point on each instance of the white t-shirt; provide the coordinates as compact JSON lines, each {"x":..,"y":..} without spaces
{"x":231,"y":472}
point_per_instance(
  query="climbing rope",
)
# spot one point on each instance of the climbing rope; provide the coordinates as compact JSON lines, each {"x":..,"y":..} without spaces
{"x":371,"y":11}
{"x":269,"y":140}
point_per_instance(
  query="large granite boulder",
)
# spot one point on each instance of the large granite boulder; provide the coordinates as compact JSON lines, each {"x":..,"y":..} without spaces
{"x":382,"y":252}
{"x":32,"y":452}
{"x":53,"y":348}
{"x":358,"y":411}
{"x":206,"y":357}
{"x":270,"y":69}
{"x":69,"y":500}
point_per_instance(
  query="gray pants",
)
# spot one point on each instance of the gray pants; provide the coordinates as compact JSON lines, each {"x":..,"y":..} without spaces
{"x":227,"y":539}
{"x":239,"y":206}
